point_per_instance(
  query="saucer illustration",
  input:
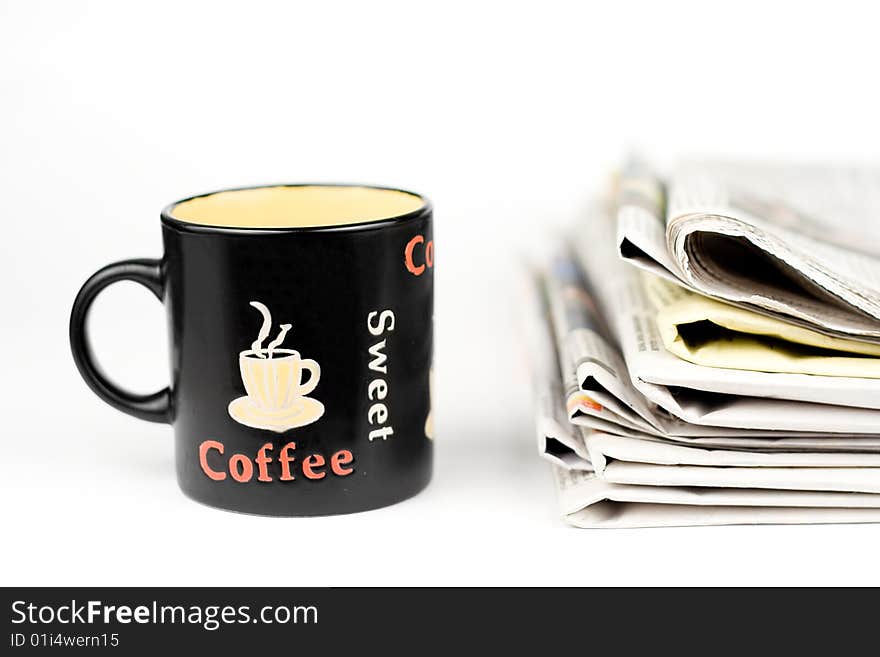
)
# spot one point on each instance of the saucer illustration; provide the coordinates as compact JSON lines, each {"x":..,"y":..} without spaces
{"x":305,"y":410}
{"x":273,"y":380}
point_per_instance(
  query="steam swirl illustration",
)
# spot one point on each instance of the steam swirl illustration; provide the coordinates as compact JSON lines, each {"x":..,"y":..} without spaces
{"x":257,"y":345}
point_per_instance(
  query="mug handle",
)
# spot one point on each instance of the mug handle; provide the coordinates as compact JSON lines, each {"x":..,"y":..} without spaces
{"x":155,"y":407}
{"x":315,"y":374}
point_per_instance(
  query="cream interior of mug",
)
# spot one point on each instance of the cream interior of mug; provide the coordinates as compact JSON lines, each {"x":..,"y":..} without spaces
{"x":307,"y":206}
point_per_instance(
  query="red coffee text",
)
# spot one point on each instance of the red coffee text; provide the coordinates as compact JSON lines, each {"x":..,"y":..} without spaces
{"x":242,"y":468}
{"x":414,"y":255}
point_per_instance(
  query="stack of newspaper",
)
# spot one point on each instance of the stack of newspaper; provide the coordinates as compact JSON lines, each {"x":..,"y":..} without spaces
{"x":706,"y":349}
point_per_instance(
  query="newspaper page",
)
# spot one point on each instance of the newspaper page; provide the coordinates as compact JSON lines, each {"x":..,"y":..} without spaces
{"x":599,"y":407}
{"x":594,"y":376}
{"x":591,"y":502}
{"x":788,"y":241}
{"x":711,"y":396}
{"x":714,"y":334}
{"x":643,"y":476}
{"x":559,"y":441}
{"x":648,"y":463}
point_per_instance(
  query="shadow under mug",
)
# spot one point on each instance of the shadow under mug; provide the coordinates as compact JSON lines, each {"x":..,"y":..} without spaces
{"x":301,"y":340}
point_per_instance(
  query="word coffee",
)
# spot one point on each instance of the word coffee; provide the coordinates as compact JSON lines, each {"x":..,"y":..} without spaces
{"x":241,"y":468}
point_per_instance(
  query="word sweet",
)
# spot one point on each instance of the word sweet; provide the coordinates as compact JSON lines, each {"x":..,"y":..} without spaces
{"x":377,"y":390}
{"x":241,"y":468}
{"x":426,"y":253}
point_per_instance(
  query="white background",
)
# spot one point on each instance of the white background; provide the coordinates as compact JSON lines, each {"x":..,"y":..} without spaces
{"x":507,"y":115}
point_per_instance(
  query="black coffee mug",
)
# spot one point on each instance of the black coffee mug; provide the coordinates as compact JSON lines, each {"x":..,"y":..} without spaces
{"x":300,"y":321}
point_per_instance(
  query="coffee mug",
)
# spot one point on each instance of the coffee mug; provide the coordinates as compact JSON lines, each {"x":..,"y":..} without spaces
{"x":300,"y":321}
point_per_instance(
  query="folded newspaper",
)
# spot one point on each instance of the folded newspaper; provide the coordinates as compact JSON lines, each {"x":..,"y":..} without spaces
{"x":733,"y":374}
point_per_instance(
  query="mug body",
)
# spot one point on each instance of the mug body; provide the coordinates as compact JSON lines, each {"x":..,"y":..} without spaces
{"x":301,"y":355}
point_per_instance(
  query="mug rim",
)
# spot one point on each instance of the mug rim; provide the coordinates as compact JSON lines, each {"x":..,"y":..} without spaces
{"x":283,"y":350}
{"x":187,"y":226}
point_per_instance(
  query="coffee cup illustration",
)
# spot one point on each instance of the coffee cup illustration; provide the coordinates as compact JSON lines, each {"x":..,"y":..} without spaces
{"x":277,"y":382}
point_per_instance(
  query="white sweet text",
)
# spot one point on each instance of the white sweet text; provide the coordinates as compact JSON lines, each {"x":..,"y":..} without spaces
{"x":378,"y":323}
